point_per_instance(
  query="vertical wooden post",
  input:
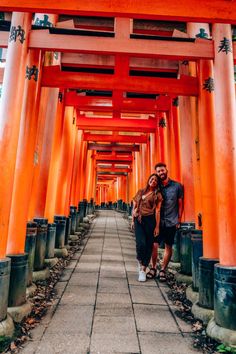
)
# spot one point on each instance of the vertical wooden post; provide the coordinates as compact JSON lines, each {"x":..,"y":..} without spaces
{"x":186,"y":141}
{"x":24,"y":169}
{"x":55,"y":161}
{"x":225,"y":139}
{"x":176,"y":132}
{"x":10,"y":113}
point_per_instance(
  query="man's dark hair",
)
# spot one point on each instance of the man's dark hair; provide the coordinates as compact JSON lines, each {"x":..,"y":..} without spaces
{"x":160,"y":164}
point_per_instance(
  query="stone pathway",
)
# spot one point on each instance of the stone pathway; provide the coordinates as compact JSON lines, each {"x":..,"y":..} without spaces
{"x":102,"y":308}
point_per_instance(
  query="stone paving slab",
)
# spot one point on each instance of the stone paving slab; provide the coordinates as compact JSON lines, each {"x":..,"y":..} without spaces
{"x":154,"y":318}
{"x":146,"y":295}
{"x":111,"y":285}
{"x":163,"y":343}
{"x":72,"y":320}
{"x":68,"y":343}
{"x":77,"y":295}
{"x":84,"y":279}
{"x":114,"y":343}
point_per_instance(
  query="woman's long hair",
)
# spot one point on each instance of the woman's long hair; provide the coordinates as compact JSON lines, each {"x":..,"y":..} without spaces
{"x":146,"y":189}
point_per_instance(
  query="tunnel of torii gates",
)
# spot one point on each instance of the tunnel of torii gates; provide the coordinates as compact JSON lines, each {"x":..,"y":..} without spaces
{"x":95,"y":93}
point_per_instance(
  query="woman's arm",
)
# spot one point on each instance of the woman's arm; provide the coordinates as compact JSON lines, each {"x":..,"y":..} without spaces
{"x":157,"y":216}
{"x":133,"y":212}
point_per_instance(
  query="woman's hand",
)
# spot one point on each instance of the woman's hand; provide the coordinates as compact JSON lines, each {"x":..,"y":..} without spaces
{"x":132,"y":225}
{"x":156,"y":231}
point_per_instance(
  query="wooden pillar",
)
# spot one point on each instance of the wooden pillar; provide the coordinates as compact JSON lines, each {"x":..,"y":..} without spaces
{"x":176,"y":132}
{"x":55,"y":162}
{"x":186,"y":141}
{"x":43,"y":149}
{"x":70,"y":156}
{"x":195,"y":30}
{"x":64,"y":162}
{"x":225,"y":140}
{"x":74,"y":195}
{"x":163,"y":138}
{"x":10,"y":113}
{"x":24,"y":169}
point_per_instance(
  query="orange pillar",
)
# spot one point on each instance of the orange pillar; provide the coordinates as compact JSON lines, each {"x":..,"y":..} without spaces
{"x":55,"y":162}
{"x":70,"y":157}
{"x":193,"y":30}
{"x":186,"y":141}
{"x":47,"y":117}
{"x":176,"y":132}
{"x":163,"y":138}
{"x":152,"y":151}
{"x":225,"y":139}
{"x":207,"y":160}
{"x":24,"y":169}
{"x":64,"y":162}
{"x":10,"y":113}
{"x":76,"y":162}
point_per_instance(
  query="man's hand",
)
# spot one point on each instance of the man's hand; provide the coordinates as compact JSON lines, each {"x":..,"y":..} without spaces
{"x":156,"y":231}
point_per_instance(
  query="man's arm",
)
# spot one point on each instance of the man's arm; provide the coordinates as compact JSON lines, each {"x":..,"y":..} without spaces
{"x":180,"y":209}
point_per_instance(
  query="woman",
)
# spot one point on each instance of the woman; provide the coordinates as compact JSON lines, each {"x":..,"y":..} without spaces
{"x":145,"y":222}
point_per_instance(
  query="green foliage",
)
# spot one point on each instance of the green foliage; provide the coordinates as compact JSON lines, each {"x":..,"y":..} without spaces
{"x":225,"y":349}
{"x":4,"y":343}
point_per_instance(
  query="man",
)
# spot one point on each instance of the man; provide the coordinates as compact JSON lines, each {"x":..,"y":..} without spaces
{"x":171,"y":213}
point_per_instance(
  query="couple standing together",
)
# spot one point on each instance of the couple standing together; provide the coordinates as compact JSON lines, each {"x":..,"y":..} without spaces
{"x":157,"y":212}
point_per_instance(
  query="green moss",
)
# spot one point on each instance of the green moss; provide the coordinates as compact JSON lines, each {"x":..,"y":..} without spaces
{"x":4,"y":343}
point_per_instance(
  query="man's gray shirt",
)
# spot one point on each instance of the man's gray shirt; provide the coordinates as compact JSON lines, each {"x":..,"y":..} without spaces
{"x":171,"y":193}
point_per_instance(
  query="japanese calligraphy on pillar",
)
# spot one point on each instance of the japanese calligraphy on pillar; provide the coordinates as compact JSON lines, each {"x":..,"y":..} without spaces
{"x":32,"y":72}
{"x":17,"y":33}
{"x":209,"y":84}
{"x":225,"y":46}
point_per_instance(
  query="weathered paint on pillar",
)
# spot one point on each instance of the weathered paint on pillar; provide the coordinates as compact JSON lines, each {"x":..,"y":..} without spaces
{"x":225,"y":140}
{"x":10,"y":114}
{"x":24,"y":169}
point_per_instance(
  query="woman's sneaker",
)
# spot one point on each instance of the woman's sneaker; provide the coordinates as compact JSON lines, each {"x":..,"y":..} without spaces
{"x":142,"y":275}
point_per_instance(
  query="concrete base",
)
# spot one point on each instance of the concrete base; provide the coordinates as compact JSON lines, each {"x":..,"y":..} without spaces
{"x":30,"y":290}
{"x":51,"y":262}
{"x":81,"y":230}
{"x":85,"y":226}
{"x":191,"y":295}
{"x":174,"y":265}
{"x":220,"y":334}
{"x":182,"y":278}
{"x":74,"y":238}
{"x":201,"y":313}
{"x":7,"y":327}
{"x":61,"y":252}
{"x":19,"y":312}
{"x":91,"y":216}
{"x":41,"y":275}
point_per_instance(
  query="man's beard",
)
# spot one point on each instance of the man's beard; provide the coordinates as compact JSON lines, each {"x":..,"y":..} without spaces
{"x":163,"y":176}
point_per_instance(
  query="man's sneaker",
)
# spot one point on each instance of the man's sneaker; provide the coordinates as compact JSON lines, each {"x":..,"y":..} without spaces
{"x":142,"y":275}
